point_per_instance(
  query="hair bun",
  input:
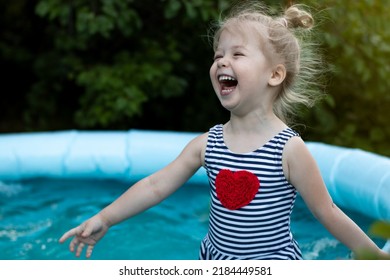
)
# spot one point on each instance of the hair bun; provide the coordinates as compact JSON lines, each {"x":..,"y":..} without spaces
{"x":297,"y":17}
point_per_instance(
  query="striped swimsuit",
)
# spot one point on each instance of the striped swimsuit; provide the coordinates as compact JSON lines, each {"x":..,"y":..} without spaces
{"x":260,"y":229}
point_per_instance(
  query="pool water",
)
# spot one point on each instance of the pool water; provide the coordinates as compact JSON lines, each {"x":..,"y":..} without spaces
{"x":34,"y":214}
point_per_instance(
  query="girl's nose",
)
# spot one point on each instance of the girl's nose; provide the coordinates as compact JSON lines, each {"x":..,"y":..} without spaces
{"x":222,"y":62}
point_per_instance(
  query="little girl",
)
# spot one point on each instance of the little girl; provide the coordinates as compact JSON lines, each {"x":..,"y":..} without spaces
{"x":256,"y":164}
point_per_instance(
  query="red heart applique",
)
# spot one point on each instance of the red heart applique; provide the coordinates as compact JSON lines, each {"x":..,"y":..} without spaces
{"x":236,"y":189}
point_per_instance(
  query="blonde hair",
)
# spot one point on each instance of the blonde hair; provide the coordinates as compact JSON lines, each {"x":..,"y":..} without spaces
{"x":287,"y":39}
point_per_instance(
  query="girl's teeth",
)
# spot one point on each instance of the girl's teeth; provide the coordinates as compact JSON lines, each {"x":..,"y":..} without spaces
{"x":226,"y":78}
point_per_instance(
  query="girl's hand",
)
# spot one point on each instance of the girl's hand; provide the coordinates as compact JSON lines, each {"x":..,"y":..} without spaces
{"x":88,"y":233}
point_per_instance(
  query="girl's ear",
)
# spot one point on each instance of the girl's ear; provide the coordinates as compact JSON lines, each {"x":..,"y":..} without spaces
{"x":278,"y":75}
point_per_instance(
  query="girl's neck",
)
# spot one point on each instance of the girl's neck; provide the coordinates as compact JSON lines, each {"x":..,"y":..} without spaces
{"x":254,"y":123}
{"x":246,"y":134}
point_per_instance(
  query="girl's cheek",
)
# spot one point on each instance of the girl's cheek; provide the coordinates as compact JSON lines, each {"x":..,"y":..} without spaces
{"x":212,"y":70}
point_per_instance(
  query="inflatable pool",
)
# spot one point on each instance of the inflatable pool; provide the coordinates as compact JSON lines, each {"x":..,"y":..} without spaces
{"x":357,"y":180}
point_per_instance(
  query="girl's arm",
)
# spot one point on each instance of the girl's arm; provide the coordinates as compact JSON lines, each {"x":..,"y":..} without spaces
{"x":158,"y":186}
{"x":141,"y":196}
{"x":302,"y":171}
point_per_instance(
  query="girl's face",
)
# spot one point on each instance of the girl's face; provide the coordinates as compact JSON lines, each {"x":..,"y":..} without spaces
{"x":241,"y":71}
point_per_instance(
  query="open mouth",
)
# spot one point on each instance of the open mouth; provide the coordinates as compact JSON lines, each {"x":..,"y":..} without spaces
{"x":228,"y":83}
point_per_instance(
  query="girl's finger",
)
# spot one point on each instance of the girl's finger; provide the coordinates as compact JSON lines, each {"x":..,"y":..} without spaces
{"x":75,"y":241}
{"x":68,"y":234}
{"x":89,"y":251}
{"x":80,"y":249}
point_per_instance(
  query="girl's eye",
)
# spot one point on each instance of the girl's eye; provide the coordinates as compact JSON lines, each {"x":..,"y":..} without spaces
{"x":238,"y":54}
{"x":216,"y":57}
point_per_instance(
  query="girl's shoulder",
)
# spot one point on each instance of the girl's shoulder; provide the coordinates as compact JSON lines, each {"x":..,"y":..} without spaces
{"x":295,"y":146}
{"x":297,"y":156}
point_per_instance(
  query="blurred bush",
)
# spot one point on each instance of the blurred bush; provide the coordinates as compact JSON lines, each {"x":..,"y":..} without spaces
{"x":355,"y":40}
{"x":119,"y":64}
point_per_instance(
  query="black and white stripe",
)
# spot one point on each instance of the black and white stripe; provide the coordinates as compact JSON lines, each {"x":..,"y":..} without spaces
{"x":261,"y":229}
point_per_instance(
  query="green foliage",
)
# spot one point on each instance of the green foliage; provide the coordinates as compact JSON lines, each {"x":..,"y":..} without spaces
{"x":380,"y":229}
{"x":126,"y":67}
{"x":104,"y":59}
{"x":80,"y":20}
{"x":120,"y":89}
{"x":356,"y":43}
